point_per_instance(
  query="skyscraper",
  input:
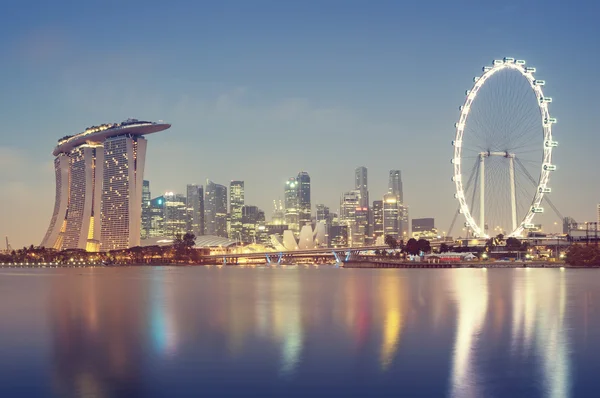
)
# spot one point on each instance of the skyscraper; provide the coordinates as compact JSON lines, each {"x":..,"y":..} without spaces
{"x":176,"y":215}
{"x":157,"y":217}
{"x":404,"y":228}
{"x":395,"y":185}
{"x":195,"y":208}
{"x":360,"y":184}
{"x":291,"y":205}
{"x":322,"y":213}
{"x":390,"y":215}
{"x":99,"y":184}
{"x":215,"y":209}
{"x":395,"y":188}
{"x":236,"y":202}
{"x":146,"y":197}
{"x":252,"y":219}
{"x":349,"y":204}
{"x":377,"y":218}
{"x":304,"y":206}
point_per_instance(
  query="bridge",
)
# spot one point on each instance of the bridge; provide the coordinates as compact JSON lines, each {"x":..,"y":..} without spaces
{"x":325,"y":254}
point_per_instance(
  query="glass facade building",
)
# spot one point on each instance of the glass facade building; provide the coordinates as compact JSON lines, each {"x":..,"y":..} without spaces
{"x":304,"y":205}
{"x":236,"y":202}
{"x":215,"y":209}
{"x":291,"y":217}
{"x":195,"y":209}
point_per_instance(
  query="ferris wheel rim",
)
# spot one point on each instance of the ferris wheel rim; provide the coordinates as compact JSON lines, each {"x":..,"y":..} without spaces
{"x":547,"y":142}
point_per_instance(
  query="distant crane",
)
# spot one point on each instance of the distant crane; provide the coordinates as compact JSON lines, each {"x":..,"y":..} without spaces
{"x":8,"y":247}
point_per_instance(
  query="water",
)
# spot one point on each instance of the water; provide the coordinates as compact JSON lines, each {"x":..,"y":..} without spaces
{"x":299,"y":331}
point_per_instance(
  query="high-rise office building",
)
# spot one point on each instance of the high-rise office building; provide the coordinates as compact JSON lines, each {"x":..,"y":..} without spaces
{"x":377,"y":218}
{"x":395,"y":185}
{"x":323,"y":216}
{"x":395,"y":188}
{"x":146,"y":197}
{"x":157,"y":217}
{"x":278,"y":217}
{"x":291,"y":205}
{"x":403,"y":222}
{"x":236,"y":202}
{"x":360,"y":184}
{"x":322,"y":213}
{"x":215,"y":209}
{"x":252,"y":219}
{"x":304,"y":205}
{"x":349,"y":204}
{"x":99,"y":185}
{"x":360,"y":227}
{"x":390,"y":215}
{"x":176,"y":215}
{"x":195,"y":208}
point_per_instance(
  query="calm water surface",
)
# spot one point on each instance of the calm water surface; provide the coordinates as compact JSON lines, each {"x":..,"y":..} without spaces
{"x":298,"y":332}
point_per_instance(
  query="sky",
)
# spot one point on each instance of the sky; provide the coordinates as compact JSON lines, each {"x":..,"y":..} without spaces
{"x":260,"y":90}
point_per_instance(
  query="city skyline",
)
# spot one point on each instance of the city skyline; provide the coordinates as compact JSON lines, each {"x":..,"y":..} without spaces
{"x":348,"y":91}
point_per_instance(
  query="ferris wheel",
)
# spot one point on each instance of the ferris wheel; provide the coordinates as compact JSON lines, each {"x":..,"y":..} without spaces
{"x":503,"y":150}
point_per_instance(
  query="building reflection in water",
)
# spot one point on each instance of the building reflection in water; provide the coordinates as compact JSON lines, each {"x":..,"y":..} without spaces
{"x":470,"y":293}
{"x":163,"y":311}
{"x":393,"y":302}
{"x":539,"y":323}
{"x":287,"y":323}
{"x":94,"y":331}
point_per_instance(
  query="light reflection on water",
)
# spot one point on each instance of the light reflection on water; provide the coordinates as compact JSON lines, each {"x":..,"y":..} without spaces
{"x":297,"y":331}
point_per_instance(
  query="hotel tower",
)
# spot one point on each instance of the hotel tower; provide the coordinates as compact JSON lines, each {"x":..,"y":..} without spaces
{"x":99,"y":179}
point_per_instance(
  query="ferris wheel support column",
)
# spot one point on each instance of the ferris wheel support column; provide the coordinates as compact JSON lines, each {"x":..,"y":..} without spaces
{"x":482,"y":192}
{"x":513,"y":192}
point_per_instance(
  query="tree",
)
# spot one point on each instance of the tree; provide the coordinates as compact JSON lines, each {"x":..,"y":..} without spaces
{"x":189,"y":240}
{"x":391,"y":241}
{"x":583,"y":256}
{"x":444,"y":248}
{"x":513,"y":243}
{"x":424,"y":245}
{"x":412,"y":247}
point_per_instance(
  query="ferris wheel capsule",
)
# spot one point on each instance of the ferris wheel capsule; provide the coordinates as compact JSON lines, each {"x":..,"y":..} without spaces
{"x":537,"y":209}
{"x":550,"y":167}
{"x":486,"y":68}
{"x":551,"y":144}
{"x":530,"y":69}
{"x":498,"y":62}
{"x":549,"y":120}
{"x":545,"y":100}
{"x":529,"y":226}
{"x":509,"y":60}
{"x":539,"y":82}
{"x":520,"y":62}
{"x":545,"y":189}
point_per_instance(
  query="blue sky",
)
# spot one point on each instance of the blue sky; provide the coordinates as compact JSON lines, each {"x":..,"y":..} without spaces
{"x":260,"y":90}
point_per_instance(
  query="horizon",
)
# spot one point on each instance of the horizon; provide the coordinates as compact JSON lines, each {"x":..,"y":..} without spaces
{"x":258,"y":93}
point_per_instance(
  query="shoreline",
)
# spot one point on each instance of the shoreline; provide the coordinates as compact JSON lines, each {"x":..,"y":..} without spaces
{"x":366,"y":264}
{"x":352,"y":264}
